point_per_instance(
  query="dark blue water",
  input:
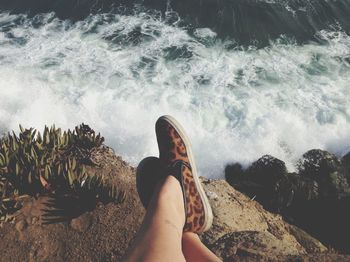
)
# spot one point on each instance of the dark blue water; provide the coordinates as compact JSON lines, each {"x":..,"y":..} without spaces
{"x":245,"y":78}
{"x":247,"y":21}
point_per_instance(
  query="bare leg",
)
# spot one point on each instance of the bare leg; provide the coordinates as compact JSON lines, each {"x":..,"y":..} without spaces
{"x":194,"y":250}
{"x":160,"y":235}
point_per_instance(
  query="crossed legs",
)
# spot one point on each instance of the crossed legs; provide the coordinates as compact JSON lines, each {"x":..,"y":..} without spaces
{"x":160,"y":237}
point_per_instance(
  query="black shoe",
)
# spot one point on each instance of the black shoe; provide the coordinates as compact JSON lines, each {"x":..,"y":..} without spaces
{"x":149,"y":172}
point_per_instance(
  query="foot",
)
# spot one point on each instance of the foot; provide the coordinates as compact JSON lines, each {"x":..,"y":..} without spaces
{"x":176,"y":154}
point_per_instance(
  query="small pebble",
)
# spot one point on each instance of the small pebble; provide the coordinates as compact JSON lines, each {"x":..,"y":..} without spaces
{"x":21,"y":225}
{"x":34,"y":220}
{"x":212,"y":195}
{"x":81,"y":223}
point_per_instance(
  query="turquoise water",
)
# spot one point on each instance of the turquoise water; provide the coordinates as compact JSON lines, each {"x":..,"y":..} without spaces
{"x":118,"y":73}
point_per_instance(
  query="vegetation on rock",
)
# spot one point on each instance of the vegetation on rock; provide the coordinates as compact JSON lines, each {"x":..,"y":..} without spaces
{"x":53,"y":162}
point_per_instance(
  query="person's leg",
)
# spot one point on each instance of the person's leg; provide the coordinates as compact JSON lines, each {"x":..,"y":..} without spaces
{"x":160,"y":235}
{"x":194,"y":250}
{"x":177,"y":200}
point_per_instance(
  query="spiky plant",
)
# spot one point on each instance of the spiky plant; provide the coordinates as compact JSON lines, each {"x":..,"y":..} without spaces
{"x":31,"y":164}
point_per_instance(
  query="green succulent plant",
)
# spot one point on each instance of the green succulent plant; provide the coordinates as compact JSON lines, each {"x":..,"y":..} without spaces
{"x":32,"y":163}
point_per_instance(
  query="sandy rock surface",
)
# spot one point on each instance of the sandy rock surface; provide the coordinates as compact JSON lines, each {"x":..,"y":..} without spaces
{"x":242,"y":229}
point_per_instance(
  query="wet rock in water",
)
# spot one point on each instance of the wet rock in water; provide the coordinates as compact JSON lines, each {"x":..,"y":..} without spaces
{"x":316,"y":163}
{"x":304,"y":189}
{"x":264,"y":171}
{"x":267,"y":170}
{"x":234,"y":173}
{"x":346,"y":163}
{"x":316,"y":199}
{"x":327,"y":170}
{"x":284,"y":191}
{"x":266,"y":180}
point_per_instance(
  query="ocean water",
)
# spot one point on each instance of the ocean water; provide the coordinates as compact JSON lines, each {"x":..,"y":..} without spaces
{"x":119,"y":71}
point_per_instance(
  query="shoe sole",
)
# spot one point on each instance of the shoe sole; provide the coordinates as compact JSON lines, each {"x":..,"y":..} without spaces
{"x":207,"y":208}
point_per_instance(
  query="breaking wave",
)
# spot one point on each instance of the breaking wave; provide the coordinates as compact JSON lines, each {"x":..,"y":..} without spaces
{"x":119,"y":72}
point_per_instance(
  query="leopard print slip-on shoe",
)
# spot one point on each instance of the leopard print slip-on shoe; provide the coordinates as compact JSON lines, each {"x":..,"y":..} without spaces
{"x":175,"y":148}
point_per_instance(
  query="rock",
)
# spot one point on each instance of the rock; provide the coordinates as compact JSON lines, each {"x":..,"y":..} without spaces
{"x":251,"y":244}
{"x":315,"y":163}
{"x":304,"y":189}
{"x":335,"y":185}
{"x":21,"y":225}
{"x":267,"y":170}
{"x":81,"y":223}
{"x":311,"y":245}
{"x":35,"y":220}
{"x":105,"y":232}
{"x":266,"y":180}
{"x":327,"y":170}
{"x":315,"y":199}
{"x":346,"y":163}
{"x":212,"y":195}
{"x":47,"y":249}
{"x":323,"y":257}
{"x":234,"y":173}
{"x":284,"y":192}
{"x":235,"y":212}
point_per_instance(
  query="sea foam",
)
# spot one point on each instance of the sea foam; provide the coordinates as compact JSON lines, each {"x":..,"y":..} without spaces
{"x":119,"y":73}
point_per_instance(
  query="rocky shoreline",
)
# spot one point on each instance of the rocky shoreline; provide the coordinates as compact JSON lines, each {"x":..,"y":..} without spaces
{"x":316,"y":198}
{"x":80,"y":227}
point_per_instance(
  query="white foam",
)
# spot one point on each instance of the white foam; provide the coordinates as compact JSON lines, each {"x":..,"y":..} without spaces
{"x":235,"y":104}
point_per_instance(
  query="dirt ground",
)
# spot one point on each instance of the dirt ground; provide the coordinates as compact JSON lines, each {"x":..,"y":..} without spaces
{"x":64,"y":228}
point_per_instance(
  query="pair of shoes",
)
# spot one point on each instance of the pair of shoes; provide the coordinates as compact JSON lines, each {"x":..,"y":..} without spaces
{"x":175,"y":158}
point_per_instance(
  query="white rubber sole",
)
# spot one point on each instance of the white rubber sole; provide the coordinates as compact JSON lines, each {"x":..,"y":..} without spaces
{"x":207,"y":208}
